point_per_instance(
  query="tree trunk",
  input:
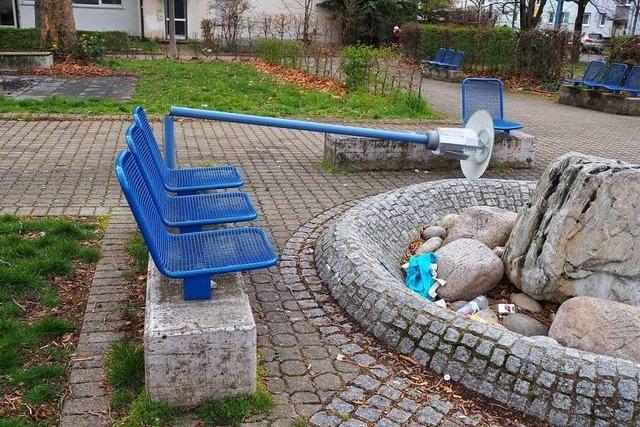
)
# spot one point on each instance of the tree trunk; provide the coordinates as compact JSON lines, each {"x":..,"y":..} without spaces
{"x":57,"y":25}
{"x":636,"y":11}
{"x":577,"y":32}
{"x":173,"y":51}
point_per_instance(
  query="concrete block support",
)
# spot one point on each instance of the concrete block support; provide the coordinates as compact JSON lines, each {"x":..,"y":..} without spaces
{"x":197,"y":351}
{"x":599,"y":100}
{"x":444,"y":74}
{"x":19,"y":61}
{"x":515,"y":149}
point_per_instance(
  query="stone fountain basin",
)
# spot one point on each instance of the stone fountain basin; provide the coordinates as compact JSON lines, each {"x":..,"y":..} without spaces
{"x":358,"y":257}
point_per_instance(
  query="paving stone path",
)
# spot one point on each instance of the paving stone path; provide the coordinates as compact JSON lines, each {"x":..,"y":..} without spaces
{"x":24,"y":87}
{"x":319,"y":366}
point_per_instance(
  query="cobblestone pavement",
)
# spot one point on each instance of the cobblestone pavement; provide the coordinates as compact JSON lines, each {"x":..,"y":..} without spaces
{"x":65,"y":167}
{"x":42,"y":87}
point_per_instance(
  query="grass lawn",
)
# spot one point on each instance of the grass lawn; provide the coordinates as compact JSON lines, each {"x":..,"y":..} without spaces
{"x":229,"y":86}
{"x":46,"y":267}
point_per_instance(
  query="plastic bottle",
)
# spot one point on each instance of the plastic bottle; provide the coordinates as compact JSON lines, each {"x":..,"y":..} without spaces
{"x":474,"y":306}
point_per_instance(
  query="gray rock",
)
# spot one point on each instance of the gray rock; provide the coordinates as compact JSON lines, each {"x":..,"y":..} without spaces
{"x":489,"y":225}
{"x":541,"y":339}
{"x":524,"y":325}
{"x":581,"y":235}
{"x":449,"y":221}
{"x":431,"y":245}
{"x":599,"y":326}
{"x":470,"y":269}
{"x":499,"y":251}
{"x":526,"y":302}
{"x":433,"y":231}
{"x":458,"y":304}
{"x":489,"y":316}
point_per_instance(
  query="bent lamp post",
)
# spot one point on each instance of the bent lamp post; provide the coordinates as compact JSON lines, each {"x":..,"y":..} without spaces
{"x":472,"y":145}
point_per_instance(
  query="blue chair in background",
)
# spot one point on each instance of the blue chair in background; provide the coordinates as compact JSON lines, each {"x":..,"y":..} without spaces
{"x":438,"y":57}
{"x":183,"y":180}
{"x":187,"y":213}
{"x":591,"y":74}
{"x":612,"y":78}
{"x":456,"y":61}
{"x":486,"y":94}
{"x":193,"y":257}
{"x":446,"y":58}
{"x":631,"y":84}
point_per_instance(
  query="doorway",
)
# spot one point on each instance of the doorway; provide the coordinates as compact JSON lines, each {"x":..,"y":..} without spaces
{"x":181,"y":18}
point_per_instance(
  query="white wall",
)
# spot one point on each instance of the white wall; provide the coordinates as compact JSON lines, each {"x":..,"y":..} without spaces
{"x":93,"y":18}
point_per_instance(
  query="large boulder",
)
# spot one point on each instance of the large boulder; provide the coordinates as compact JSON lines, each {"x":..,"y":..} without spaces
{"x":581,"y":235}
{"x":489,"y":225}
{"x":599,"y":326}
{"x":470,"y":269}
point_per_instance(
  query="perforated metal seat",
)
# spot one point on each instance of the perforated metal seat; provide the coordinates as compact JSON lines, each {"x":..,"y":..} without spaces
{"x":612,"y":78}
{"x":193,"y":257}
{"x":631,"y":84}
{"x":486,"y":94}
{"x":182,"y":180}
{"x":188,"y":213}
{"x":446,"y":58}
{"x":456,"y":61}
{"x":591,"y":74}
{"x":438,"y":56}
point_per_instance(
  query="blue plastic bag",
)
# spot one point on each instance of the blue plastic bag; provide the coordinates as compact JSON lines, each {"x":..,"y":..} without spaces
{"x":420,"y":277}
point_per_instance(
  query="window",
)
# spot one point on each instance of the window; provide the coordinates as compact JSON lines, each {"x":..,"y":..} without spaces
{"x":603,"y":20}
{"x":551,"y":15}
{"x":99,"y":2}
{"x":565,"y":17}
{"x":7,"y":13}
{"x":586,"y":19}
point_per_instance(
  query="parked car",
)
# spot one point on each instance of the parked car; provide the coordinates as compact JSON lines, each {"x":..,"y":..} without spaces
{"x":593,"y":42}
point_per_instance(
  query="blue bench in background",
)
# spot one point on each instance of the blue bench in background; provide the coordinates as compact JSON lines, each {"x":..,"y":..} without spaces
{"x":193,"y":257}
{"x":631,"y":84}
{"x":183,"y":180}
{"x":486,"y":94}
{"x":612,"y":78}
{"x":437,"y":58}
{"x":591,"y":74}
{"x":455,"y":62}
{"x":191,"y":212}
{"x":446,"y":58}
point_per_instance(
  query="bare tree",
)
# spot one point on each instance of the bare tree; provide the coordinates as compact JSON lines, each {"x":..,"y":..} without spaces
{"x":530,"y":13}
{"x":280,"y":24}
{"x":57,"y":25}
{"x":229,"y":13}
{"x":266,"y":22}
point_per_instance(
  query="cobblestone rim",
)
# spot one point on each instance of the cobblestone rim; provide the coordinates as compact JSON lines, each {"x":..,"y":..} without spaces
{"x":378,"y":387}
{"x":357,"y":257}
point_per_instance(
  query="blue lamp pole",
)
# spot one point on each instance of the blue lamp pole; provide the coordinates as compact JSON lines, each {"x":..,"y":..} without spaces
{"x":557,"y":22}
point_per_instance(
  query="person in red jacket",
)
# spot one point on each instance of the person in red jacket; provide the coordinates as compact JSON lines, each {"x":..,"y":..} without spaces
{"x":398,"y":35}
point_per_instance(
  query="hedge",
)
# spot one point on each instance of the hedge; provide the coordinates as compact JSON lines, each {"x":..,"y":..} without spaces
{"x":28,"y":39}
{"x":488,"y":50}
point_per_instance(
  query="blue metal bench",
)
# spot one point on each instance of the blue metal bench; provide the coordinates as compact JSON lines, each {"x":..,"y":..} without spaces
{"x":446,"y":59}
{"x":631,"y":84}
{"x":193,"y":257}
{"x":456,"y":61}
{"x":486,"y":94}
{"x":183,"y":180}
{"x":591,"y":74}
{"x":187,"y":213}
{"x":438,"y":57}
{"x":612,"y":78}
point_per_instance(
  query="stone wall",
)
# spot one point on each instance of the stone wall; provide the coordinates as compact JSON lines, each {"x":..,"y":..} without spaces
{"x":358,"y":257}
{"x":515,"y":149}
{"x":19,"y":61}
{"x":599,"y":100}
{"x":444,"y":74}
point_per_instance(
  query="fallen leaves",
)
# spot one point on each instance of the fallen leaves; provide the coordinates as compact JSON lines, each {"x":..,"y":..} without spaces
{"x":298,"y":77}
{"x":75,"y":68}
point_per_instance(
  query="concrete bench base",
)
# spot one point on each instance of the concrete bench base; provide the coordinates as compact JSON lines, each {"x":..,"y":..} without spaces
{"x":198,"y":351}
{"x":515,"y":149}
{"x":599,"y":100}
{"x":19,"y":61}
{"x":436,"y":73}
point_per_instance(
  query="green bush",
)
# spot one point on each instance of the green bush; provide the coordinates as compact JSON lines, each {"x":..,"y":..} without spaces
{"x":624,"y":49}
{"x":280,"y":52}
{"x":356,"y":64}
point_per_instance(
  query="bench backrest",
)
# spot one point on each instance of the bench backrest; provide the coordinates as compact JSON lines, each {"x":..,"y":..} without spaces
{"x":614,"y":74}
{"x":143,"y":208}
{"x":448,"y":56}
{"x":633,"y":79}
{"x":148,"y":169}
{"x":146,"y":153}
{"x":140,"y":118}
{"x":457,"y":59}
{"x":593,"y":71}
{"x":482,"y":94}
{"x":440,"y":54}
